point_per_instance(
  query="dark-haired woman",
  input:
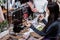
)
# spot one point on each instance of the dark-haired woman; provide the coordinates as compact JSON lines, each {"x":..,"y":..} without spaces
{"x":50,"y":31}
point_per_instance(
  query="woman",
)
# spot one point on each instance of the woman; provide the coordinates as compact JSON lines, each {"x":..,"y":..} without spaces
{"x":50,"y":31}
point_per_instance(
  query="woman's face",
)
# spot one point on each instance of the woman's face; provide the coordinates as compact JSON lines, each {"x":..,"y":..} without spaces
{"x":47,"y":11}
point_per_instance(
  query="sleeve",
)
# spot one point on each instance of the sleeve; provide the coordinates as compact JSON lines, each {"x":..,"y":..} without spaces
{"x":37,"y":31}
{"x":49,"y":29}
{"x":44,"y":21}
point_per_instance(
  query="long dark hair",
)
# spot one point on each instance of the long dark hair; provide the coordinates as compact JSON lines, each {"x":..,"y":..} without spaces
{"x":54,"y":13}
{"x":31,"y":1}
{"x":49,"y":1}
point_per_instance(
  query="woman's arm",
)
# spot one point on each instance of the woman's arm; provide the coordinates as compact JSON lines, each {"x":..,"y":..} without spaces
{"x":47,"y":31}
{"x":37,"y":31}
{"x":44,"y":21}
{"x":28,"y":24}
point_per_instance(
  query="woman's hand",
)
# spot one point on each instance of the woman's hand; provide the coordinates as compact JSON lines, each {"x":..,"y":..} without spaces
{"x":41,"y":17}
{"x":27,"y":23}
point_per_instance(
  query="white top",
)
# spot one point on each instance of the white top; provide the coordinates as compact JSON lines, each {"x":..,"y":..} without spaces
{"x":40,"y":5}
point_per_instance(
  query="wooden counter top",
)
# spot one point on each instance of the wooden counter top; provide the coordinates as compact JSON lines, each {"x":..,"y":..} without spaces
{"x":5,"y":10}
